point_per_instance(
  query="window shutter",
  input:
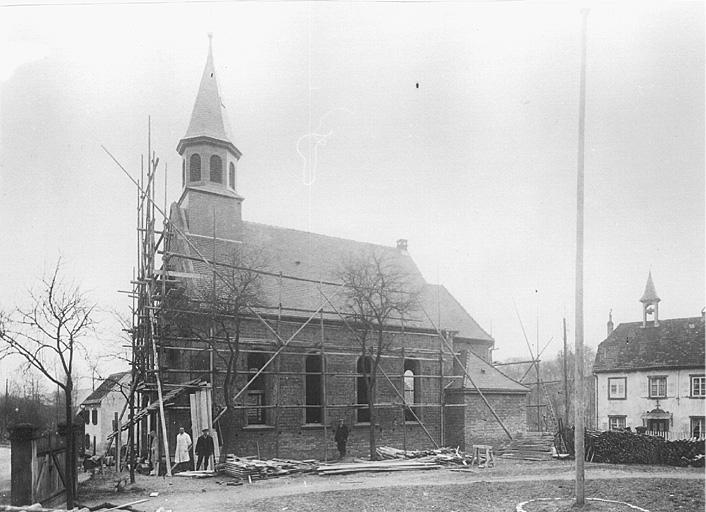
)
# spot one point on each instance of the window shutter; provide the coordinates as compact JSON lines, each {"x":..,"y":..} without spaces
{"x":671,"y":386}
{"x":643,"y":386}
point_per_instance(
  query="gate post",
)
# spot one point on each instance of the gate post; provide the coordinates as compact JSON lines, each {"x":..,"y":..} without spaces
{"x":22,"y":455}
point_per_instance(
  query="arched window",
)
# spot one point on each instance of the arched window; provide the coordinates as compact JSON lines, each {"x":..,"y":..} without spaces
{"x":313,"y":367}
{"x":364,"y":367}
{"x":86,"y":442}
{"x":256,"y":391}
{"x":195,"y":168}
{"x":411,"y":389}
{"x":216,"y":169}
{"x":231,"y":176}
{"x":183,"y":173}
{"x":87,"y":417}
{"x":94,"y":416}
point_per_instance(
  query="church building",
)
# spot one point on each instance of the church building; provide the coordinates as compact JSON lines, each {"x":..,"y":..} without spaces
{"x":299,"y":368}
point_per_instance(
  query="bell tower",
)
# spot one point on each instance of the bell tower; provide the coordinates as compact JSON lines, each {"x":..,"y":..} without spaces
{"x":209,"y":163}
{"x":650,"y":303}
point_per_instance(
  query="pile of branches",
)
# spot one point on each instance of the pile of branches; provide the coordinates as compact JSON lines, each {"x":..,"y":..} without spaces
{"x":620,"y":447}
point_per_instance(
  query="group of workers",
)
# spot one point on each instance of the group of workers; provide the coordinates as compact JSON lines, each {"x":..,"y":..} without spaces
{"x":204,"y":449}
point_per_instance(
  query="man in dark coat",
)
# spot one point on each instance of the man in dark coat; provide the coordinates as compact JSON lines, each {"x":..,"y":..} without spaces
{"x":204,"y":449}
{"x":341,"y":437}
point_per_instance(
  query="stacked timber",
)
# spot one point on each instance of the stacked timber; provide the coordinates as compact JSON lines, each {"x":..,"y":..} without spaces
{"x":247,"y":468}
{"x":619,"y":447}
{"x":535,"y":446}
{"x":375,"y":466}
{"x":445,"y":456}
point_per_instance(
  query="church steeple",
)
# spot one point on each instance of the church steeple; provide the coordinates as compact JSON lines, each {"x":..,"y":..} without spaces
{"x":209,"y":155}
{"x":650,"y":302}
{"x":209,"y":163}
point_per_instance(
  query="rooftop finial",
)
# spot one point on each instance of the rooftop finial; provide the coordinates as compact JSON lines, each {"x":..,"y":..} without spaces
{"x":210,"y":41}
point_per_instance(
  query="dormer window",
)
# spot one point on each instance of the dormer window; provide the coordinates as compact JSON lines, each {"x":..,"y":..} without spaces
{"x":231,"y":176}
{"x":195,"y":168}
{"x":216,"y":169}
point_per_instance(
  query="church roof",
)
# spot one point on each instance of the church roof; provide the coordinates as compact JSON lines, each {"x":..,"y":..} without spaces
{"x":308,"y":258}
{"x":209,"y":118}
{"x":650,"y":294}
{"x":674,"y":343}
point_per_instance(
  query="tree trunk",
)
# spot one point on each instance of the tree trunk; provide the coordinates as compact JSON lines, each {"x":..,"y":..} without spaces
{"x":69,"y":460}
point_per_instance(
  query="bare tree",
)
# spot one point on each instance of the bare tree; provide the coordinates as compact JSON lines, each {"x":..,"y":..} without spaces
{"x":213,"y":311}
{"x":377,"y":291}
{"x":48,"y":334}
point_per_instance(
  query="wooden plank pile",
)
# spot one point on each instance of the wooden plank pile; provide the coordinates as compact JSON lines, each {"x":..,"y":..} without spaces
{"x":375,"y":466}
{"x":535,"y":446}
{"x":620,"y":447}
{"x":248,"y":468}
{"x":444,"y":456}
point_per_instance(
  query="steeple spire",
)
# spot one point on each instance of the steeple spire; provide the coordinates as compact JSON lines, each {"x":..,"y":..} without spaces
{"x":209,"y":117}
{"x":650,"y":302}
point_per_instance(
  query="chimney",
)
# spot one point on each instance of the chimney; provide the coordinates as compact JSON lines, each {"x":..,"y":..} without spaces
{"x":610,"y":322}
{"x":402,"y":244}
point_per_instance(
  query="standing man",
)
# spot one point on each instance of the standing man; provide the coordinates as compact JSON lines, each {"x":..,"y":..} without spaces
{"x":183,"y":445}
{"x":154,"y":453}
{"x":341,"y":437}
{"x":204,"y":449}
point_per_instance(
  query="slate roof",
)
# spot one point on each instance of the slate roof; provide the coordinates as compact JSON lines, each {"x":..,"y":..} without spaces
{"x":315,"y":257}
{"x":209,"y":117}
{"x":105,"y":387}
{"x":675,"y":343}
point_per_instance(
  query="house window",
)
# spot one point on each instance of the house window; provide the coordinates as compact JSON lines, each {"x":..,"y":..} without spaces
{"x":658,"y":387}
{"x":231,"y":176}
{"x":313,"y":368}
{"x":256,"y":392}
{"x":697,"y":426}
{"x":195,"y":168}
{"x":364,"y":367}
{"x":86,"y":442}
{"x":698,"y":386}
{"x":216,"y":169}
{"x":616,"y":422}
{"x":411,"y":389}
{"x":87,"y":417}
{"x":94,"y":416}
{"x":617,"y":388}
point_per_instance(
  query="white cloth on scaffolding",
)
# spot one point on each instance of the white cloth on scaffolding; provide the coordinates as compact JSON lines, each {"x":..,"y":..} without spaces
{"x":182,"y":448}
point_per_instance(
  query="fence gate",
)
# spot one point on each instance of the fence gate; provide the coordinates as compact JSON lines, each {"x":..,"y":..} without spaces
{"x":37,"y":466}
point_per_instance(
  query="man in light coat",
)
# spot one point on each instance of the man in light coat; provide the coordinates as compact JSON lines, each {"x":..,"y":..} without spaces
{"x":183,"y":445}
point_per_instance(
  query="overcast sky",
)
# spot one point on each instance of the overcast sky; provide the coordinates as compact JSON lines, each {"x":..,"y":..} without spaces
{"x":476,"y":167}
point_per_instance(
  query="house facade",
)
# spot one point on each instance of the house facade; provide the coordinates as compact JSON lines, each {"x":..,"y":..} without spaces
{"x":100,"y":407}
{"x":300,"y":368}
{"x":651,"y":373}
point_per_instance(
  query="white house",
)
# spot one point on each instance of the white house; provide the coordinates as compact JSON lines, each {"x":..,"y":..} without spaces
{"x":651,"y":373}
{"x":100,"y":408}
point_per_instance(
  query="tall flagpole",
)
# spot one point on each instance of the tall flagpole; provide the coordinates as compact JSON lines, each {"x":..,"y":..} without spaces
{"x":578,"y":361}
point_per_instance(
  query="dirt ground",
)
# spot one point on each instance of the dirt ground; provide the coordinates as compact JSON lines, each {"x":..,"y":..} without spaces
{"x":501,"y":488}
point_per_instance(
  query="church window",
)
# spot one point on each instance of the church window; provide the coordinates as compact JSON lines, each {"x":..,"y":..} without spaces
{"x":195,"y":168}
{"x":364,"y":367}
{"x":256,"y":391}
{"x":216,"y":169}
{"x":313,"y":369}
{"x":183,"y":173}
{"x":231,"y":176}
{"x":411,"y":389}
